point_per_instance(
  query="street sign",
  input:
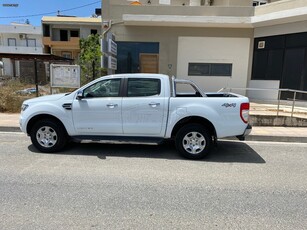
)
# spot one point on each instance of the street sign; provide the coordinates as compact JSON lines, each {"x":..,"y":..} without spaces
{"x":112,"y":47}
{"x":112,"y":63}
{"x":109,"y":52}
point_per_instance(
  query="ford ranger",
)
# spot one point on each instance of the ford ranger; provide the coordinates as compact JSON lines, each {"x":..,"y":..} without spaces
{"x":136,"y":108}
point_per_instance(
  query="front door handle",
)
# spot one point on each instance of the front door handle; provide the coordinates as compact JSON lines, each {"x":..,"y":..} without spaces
{"x":112,"y":106}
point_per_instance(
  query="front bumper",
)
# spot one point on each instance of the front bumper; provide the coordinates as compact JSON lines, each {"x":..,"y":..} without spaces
{"x":22,"y":125}
{"x":247,"y":131}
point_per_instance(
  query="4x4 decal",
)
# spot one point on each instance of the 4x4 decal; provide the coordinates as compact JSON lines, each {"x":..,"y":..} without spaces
{"x":226,"y":105}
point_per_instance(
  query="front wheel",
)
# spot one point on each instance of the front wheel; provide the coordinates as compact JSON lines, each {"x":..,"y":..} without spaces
{"x":193,"y":141}
{"x":48,"y":136}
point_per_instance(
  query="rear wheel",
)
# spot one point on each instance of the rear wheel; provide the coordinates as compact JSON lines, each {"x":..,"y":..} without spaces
{"x":48,"y":136}
{"x":193,"y":141}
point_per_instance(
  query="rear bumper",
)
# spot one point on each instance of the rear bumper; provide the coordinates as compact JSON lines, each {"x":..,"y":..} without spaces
{"x":247,"y":131}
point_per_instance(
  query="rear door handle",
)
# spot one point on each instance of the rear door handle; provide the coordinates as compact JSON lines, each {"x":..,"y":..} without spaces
{"x":154,"y":104}
{"x":112,"y":106}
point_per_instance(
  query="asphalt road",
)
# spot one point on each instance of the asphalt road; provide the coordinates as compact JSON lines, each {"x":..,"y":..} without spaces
{"x":241,"y":185}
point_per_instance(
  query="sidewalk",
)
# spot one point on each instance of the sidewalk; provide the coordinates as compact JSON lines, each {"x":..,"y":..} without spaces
{"x":10,"y":123}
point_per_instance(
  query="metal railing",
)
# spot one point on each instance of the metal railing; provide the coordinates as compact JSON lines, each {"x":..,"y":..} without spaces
{"x":294,"y":99}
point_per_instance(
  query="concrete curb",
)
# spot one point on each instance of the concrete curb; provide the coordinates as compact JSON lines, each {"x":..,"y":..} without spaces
{"x":9,"y":129}
{"x":281,"y":121}
{"x":276,"y":138}
{"x":248,"y":138}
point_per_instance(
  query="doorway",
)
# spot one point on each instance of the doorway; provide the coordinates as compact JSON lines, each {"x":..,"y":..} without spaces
{"x":149,"y":63}
{"x":129,"y":56}
{"x":293,"y":71}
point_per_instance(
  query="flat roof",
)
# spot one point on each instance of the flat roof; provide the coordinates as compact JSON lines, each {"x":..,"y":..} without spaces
{"x":81,"y":20}
{"x":269,"y":19}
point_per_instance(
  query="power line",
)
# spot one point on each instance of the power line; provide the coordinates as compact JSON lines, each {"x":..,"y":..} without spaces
{"x":54,"y":12}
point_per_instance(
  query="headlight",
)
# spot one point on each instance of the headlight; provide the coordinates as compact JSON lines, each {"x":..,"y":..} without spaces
{"x":24,"y":107}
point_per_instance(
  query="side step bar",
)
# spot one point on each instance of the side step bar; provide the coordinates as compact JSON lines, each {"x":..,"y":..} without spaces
{"x":118,"y":140}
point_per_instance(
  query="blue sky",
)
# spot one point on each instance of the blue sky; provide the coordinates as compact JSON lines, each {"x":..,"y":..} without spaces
{"x":34,"y":10}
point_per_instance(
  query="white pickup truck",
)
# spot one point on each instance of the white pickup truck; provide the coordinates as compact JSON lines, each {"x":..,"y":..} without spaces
{"x":136,"y":108}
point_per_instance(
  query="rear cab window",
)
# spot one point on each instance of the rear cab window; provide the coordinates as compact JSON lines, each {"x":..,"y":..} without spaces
{"x":143,"y":87}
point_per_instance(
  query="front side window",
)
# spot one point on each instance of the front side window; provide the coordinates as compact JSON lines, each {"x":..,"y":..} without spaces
{"x":138,"y":87}
{"x":104,"y":88}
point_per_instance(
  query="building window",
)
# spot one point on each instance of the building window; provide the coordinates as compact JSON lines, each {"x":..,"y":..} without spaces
{"x":66,"y":54}
{"x":31,"y":42}
{"x":11,"y":41}
{"x":63,"y":35}
{"x":94,"y":32}
{"x":74,"y":33}
{"x":46,"y":30}
{"x":210,"y":69}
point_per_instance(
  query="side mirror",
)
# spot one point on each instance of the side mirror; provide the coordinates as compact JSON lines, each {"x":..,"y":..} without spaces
{"x":79,"y":95}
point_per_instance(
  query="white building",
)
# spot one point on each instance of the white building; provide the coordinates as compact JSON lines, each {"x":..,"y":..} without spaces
{"x":216,"y":43}
{"x":20,"y":39}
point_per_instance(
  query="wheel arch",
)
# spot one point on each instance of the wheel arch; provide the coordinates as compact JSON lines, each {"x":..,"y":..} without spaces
{"x":194,"y":120}
{"x":36,"y":118}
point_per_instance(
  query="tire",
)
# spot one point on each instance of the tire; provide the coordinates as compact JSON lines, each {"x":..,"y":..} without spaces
{"x":193,"y":141}
{"x":48,"y":136}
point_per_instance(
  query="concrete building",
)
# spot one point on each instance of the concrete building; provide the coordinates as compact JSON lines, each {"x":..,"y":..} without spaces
{"x":19,"y":38}
{"x":216,"y":43}
{"x":61,"y":35}
{"x":280,"y":46}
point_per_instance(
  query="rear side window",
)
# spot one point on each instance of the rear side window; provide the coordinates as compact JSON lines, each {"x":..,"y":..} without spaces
{"x":138,"y":87}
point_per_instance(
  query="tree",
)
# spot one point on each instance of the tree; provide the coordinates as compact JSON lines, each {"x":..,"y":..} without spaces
{"x":89,"y":60}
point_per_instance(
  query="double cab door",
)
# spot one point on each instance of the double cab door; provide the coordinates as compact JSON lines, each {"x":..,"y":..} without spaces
{"x":121,"y":106}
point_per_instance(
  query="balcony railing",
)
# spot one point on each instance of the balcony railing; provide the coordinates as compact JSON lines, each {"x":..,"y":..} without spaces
{"x":21,"y":49}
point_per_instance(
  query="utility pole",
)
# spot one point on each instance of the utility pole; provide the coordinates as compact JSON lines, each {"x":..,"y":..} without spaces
{"x":36,"y":76}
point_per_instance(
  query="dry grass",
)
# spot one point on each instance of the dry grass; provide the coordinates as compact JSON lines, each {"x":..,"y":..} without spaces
{"x":10,"y":102}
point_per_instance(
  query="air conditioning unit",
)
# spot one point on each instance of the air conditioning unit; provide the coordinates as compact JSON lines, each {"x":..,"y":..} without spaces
{"x":22,"y":36}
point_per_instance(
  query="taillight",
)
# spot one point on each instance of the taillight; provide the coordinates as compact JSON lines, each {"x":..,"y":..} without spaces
{"x":244,"y":112}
